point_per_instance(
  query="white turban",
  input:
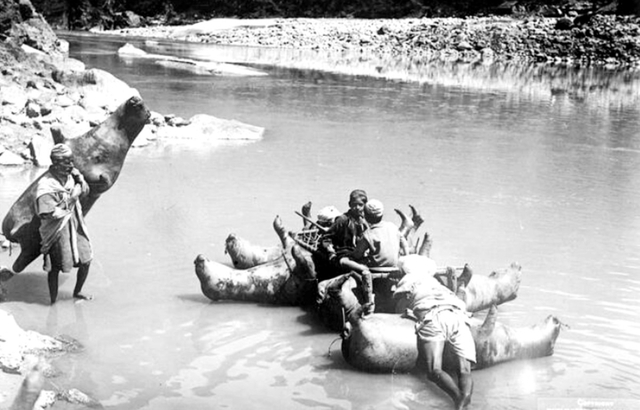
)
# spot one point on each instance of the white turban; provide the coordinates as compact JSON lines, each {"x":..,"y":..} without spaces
{"x":374,"y":207}
{"x":60,"y":151}
{"x":328,"y":214}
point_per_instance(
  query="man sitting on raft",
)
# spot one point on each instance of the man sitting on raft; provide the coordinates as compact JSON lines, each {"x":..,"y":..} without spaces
{"x":340,"y":240}
{"x":378,"y":250}
{"x":343,"y":234}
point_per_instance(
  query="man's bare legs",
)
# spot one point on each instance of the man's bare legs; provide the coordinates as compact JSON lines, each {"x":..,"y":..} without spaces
{"x":83,"y":272}
{"x":432,"y":352}
{"x":366,"y":282}
{"x":52,"y":279}
{"x":465,"y":382}
{"x":54,"y":274}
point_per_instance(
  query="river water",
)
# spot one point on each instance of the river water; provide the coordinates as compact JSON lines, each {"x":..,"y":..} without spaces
{"x":506,"y":164}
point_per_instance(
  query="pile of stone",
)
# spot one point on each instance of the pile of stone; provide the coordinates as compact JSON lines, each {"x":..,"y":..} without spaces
{"x":579,"y":39}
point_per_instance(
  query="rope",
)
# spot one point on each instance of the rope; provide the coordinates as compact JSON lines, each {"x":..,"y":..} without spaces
{"x":329,"y":350}
{"x":286,"y":262}
{"x":563,"y":325}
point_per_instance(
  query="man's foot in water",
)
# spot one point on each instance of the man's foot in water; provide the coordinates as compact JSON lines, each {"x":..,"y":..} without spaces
{"x":464,"y":401}
{"x":5,"y":274}
{"x":82,"y":296}
{"x":463,"y":404}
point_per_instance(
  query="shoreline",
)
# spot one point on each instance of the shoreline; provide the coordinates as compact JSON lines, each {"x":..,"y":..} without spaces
{"x":603,"y":40}
{"x":27,"y":359}
{"x":553,"y":81}
{"x":236,"y":34}
{"x":41,"y":88}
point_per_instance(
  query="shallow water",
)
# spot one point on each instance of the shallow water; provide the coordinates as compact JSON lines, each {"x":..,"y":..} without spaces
{"x":501,"y":173}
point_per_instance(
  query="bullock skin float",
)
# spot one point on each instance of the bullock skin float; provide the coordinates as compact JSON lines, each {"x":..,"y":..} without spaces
{"x":478,"y":291}
{"x":245,"y":255}
{"x":287,"y":280}
{"x":98,"y":154}
{"x":380,"y":342}
{"x":383,"y":342}
{"x":264,"y":282}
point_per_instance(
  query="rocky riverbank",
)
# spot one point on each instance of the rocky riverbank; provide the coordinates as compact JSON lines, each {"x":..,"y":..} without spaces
{"x":40,"y":91}
{"x":26,"y":359}
{"x":41,"y":87}
{"x":578,"y":40}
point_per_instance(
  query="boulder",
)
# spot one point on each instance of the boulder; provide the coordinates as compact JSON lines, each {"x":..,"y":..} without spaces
{"x":71,"y":64}
{"x":64,"y":101}
{"x":97,"y":87}
{"x":25,"y":363}
{"x":205,"y":127}
{"x":131,"y":19}
{"x":17,"y":342}
{"x":32,"y":109}
{"x":40,"y":148}
{"x":13,"y":95}
{"x":36,"y":33}
{"x":10,"y":159}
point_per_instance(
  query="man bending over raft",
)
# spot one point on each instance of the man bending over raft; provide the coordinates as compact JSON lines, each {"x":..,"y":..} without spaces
{"x":440,"y":317}
{"x":65,"y":241}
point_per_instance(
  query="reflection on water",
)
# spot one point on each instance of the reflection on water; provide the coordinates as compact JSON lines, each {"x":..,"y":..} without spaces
{"x":598,"y":87}
{"x":516,"y":172}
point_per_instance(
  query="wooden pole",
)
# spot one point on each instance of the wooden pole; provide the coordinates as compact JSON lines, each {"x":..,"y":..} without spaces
{"x":312,"y":222}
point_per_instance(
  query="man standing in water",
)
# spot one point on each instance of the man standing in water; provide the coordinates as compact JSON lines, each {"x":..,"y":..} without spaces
{"x":441,"y":317}
{"x":65,"y":243}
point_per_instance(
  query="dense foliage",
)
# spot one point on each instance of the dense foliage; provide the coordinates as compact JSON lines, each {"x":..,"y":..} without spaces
{"x":109,"y":14}
{"x":318,"y":8}
{"x":356,"y":8}
{"x":334,"y":8}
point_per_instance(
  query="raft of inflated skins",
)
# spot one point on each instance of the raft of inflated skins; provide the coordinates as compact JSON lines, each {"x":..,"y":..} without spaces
{"x":385,"y":340}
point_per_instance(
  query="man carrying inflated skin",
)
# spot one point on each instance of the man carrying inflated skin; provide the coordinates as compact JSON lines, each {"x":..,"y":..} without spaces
{"x":441,"y":317}
{"x":64,"y":239}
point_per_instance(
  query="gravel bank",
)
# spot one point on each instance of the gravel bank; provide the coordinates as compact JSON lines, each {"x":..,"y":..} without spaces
{"x":599,"y":40}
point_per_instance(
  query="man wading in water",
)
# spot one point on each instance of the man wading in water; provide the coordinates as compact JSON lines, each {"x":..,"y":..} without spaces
{"x":440,"y":317}
{"x":65,"y":242}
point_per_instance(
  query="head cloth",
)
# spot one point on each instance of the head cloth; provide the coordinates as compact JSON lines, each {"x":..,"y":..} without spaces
{"x":358,"y":194}
{"x":328,"y":214}
{"x":59,"y":152}
{"x":374,"y":207}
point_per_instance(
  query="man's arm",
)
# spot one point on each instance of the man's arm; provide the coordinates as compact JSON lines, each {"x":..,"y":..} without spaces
{"x":81,"y":188}
{"x":48,"y":209}
{"x":360,"y":252}
{"x":404,"y":245}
